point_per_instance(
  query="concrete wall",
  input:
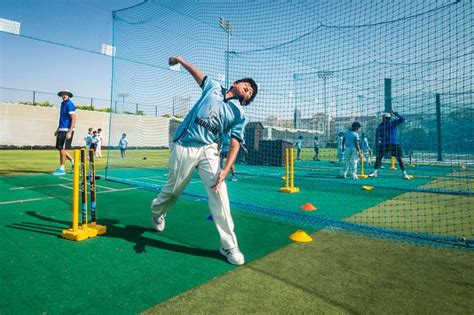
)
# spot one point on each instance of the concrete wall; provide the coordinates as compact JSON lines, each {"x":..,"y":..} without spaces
{"x":25,"y":126}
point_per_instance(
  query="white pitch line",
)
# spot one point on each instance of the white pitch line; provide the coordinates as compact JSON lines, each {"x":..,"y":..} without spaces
{"x":70,"y":179}
{"x":123,"y":189}
{"x":165,"y":181}
{"x":68,"y":187}
{"x":24,"y":200}
{"x":47,"y":198}
{"x":28,"y":187}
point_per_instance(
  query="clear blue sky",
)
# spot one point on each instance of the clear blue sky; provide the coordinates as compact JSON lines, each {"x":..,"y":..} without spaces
{"x":31,"y":64}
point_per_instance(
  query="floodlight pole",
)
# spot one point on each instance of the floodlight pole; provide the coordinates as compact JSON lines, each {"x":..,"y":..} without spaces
{"x":123,"y":96}
{"x":324,"y":74}
{"x":227,"y":27}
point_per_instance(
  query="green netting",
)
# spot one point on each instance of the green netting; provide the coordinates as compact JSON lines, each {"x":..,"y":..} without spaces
{"x":320,"y":66}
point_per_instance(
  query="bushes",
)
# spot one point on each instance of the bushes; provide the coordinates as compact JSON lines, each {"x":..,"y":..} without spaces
{"x":40,"y":104}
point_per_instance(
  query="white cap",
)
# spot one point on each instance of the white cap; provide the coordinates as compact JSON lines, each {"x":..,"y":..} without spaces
{"x":386,"y":115}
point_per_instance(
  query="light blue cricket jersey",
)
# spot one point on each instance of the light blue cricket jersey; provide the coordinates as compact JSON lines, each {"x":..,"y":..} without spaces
{"x":351,"y":138}
{"x":339,"y":143}
{"x":298,"y":144}
{"x":123,"y":143}
{"x":210,"y":118}
{"x":225,"y":142}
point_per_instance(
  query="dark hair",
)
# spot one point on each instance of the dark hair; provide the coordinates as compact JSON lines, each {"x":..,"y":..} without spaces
{"x":99,"y":130}
{"x":315,"y":138}
{"x":355,"y":125}
{"x":253,"y":85}
{"x":300,"y":137}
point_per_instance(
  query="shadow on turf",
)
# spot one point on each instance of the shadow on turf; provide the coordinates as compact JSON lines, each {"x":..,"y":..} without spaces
{"x":131,"y":233}
{"x":10,"y":172}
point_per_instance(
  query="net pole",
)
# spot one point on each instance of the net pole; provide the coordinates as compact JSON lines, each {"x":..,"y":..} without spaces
{"x":388,"y":95}
{"x":438,"y":126}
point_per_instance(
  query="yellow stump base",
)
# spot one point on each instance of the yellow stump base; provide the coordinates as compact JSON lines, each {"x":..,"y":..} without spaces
{"x":101,"y":229}
{"x":290,"y":190}
{"x":393,"y":168}
{"x":81,"y":234}
{"x":362,"y":176}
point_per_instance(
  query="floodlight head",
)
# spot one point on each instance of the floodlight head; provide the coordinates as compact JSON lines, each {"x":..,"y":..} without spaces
{"x":325,"y":74}
{"x":225,"y":24}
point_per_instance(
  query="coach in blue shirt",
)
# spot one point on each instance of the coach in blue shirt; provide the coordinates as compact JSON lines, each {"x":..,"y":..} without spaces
{"x":65,"y":131}
{"x":217,"y":112}
{"x":386,"y":140}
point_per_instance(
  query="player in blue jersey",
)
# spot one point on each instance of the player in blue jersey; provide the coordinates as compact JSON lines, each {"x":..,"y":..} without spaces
{"x":123,"y":143}
{"x":340,"y":149}
{"x":65,"y":131}
{"x":225,"y":143}
{"x":386,"y":141}
{"x":364,"y":144}
{"x":298,"y":145}
{"x":217,"y":112}
{"x":316,"y":149}
{"x":88,"y":139}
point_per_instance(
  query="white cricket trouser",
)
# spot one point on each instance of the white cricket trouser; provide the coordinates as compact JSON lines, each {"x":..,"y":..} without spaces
{"x":350,"y":159}
{"x":182,"y":162}
{"x":98,"y":151}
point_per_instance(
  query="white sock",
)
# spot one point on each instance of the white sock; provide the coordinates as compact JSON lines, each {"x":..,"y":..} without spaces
{"x":376,"y":171}
{"x":61,"y":167}
{"x":404,"y":172}
{"x":72,"y":162}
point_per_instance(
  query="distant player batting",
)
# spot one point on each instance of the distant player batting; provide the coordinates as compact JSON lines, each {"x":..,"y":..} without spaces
{"x":217,"y":112}
{"x":386,"y":140}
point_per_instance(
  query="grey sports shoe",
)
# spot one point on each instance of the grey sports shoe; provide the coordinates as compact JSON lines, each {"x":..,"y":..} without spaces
{"x":158,"y":222}
{"x":234,"y":256}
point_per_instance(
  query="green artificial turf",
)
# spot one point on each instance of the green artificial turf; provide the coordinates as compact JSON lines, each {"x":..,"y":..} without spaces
{"x":133,"y":269}
{"x":339,"y":274}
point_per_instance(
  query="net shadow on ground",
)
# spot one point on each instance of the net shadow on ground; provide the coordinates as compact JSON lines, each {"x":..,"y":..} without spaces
{"x":130,"y":268}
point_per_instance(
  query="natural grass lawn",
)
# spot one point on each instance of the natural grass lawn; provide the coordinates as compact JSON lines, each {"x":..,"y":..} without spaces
{"x":23,"y":162}
{"x":336,"y":273}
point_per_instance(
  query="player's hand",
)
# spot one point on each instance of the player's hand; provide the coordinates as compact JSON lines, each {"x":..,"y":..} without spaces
{"x":69,"y":135}
{"x":56,"y":133}
{"x":172,"y":61}
{"x":220,"y":179}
